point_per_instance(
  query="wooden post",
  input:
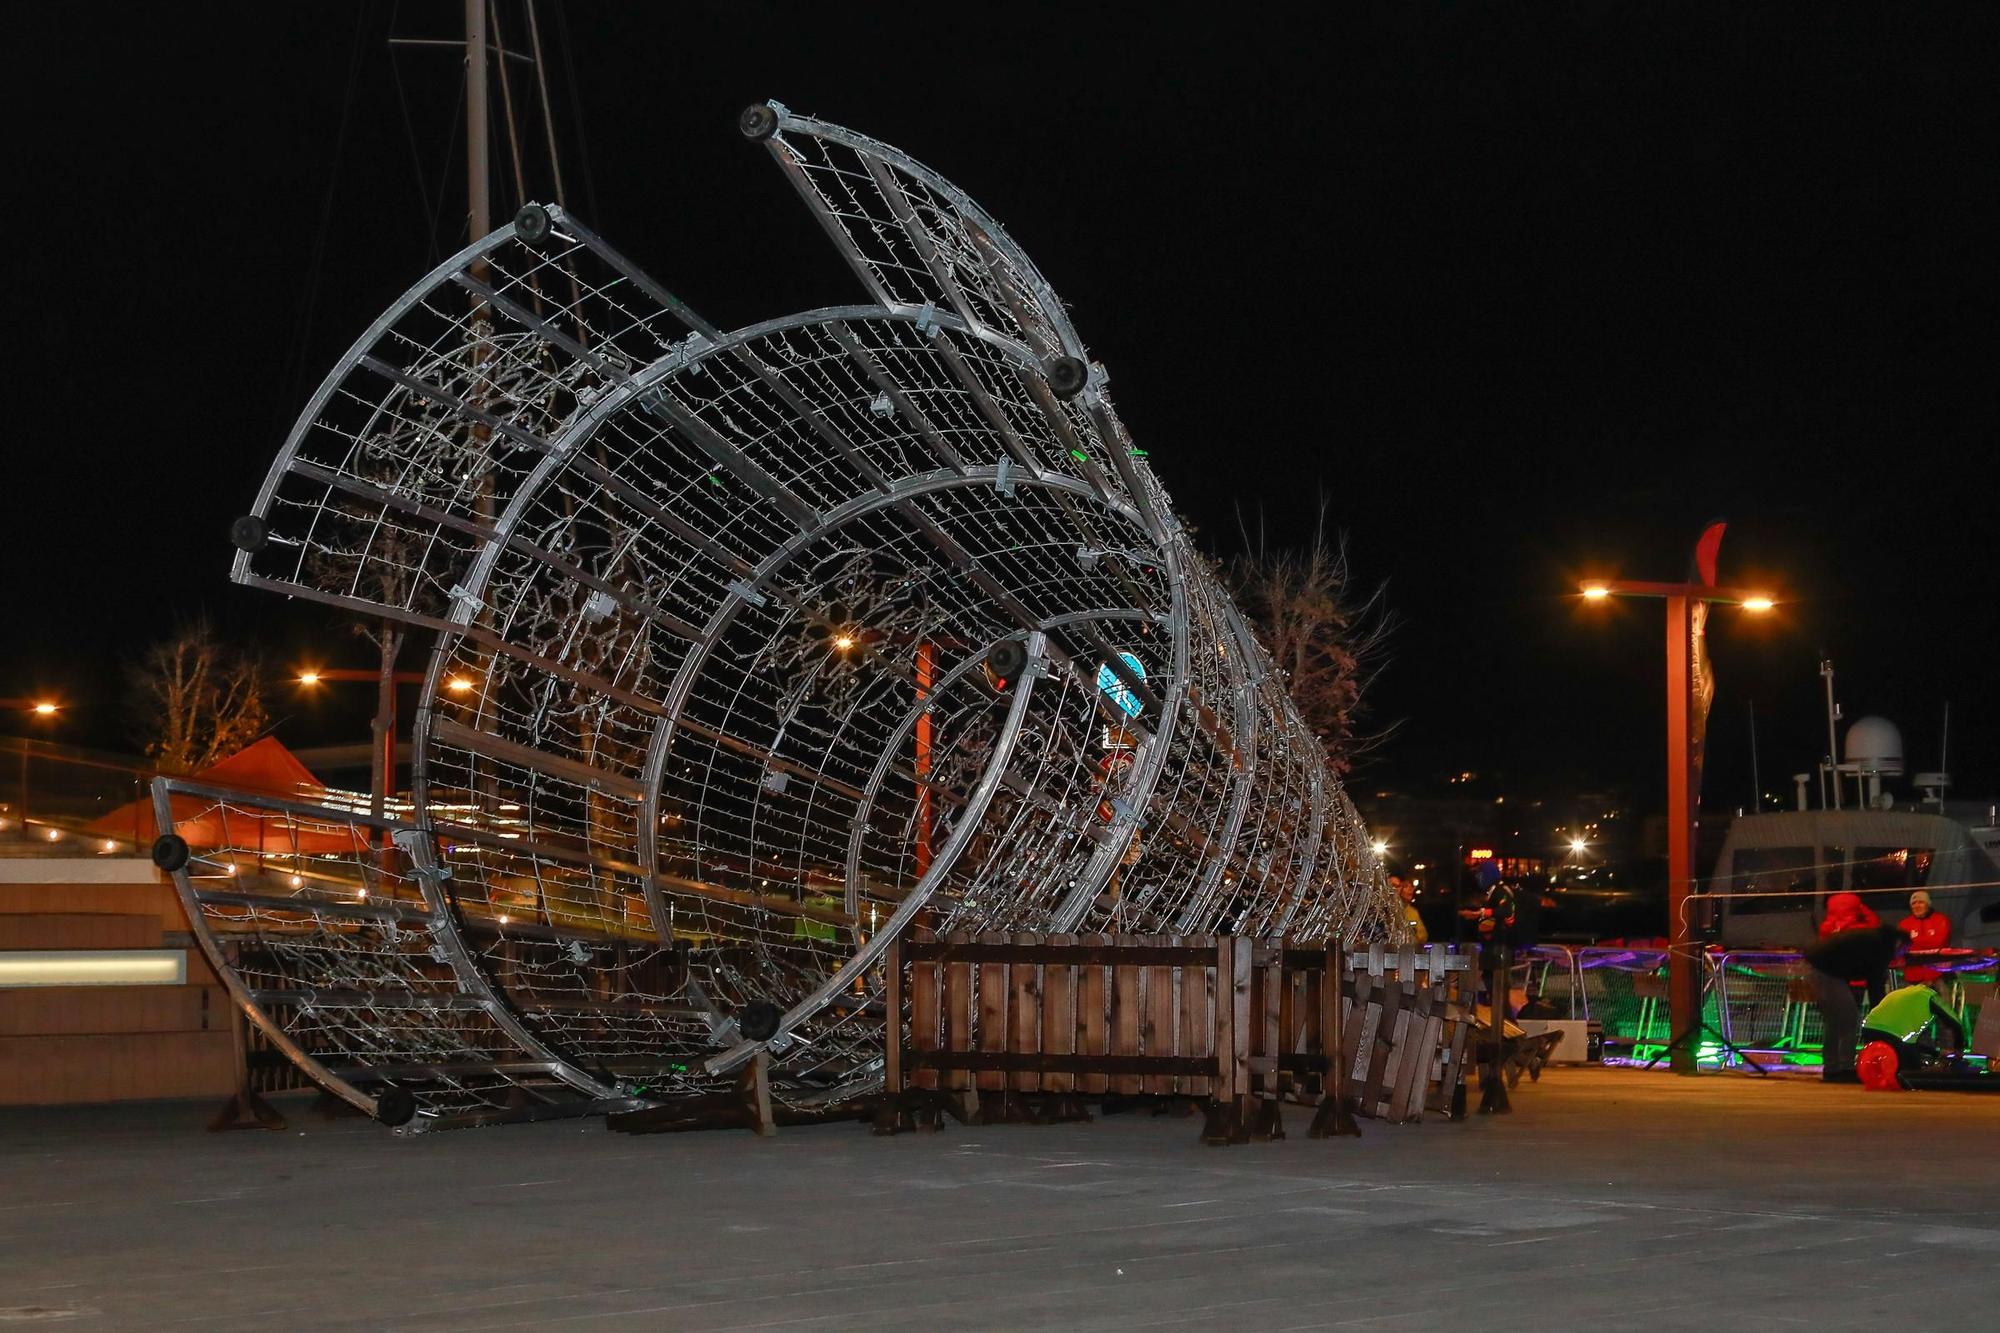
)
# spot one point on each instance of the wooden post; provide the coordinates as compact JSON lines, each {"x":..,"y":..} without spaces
{"x":1126,"y":1004}
{"x":892,"y":1022}
{"x":1492,"y":1073}
{"x":1336,"y":1115}
{"x":926,"y":1017}
{"x":1092,"y":1008}
{"x":958,"y":1023}
{"x":757,"y":1091}
{"x":992,"y":1030}
{"x":245,"y":1109}
{"x":1197,"y":1024}
{"x":1059,"y":1016}
{"x":1024,"y":1018}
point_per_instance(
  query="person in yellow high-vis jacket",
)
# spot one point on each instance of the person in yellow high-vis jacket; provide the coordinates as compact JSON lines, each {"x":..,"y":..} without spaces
{"x":1408,"y":893}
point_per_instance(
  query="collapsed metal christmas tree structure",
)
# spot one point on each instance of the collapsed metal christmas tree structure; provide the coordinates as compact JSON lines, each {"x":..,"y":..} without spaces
{"x":752,"y":648}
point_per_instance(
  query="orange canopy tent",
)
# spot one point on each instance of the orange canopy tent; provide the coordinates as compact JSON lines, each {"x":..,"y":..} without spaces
{"x":265,"y":768}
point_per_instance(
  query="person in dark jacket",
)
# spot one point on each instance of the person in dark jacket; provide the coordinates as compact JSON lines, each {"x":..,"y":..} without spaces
{"x":1832,"y":966}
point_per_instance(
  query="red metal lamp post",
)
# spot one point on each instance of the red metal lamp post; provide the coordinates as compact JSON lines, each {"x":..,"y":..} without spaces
{"x":1683,"y":971}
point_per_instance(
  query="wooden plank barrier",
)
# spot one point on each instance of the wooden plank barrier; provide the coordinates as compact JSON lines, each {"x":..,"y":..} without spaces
{"x":1410,"y":1014}
{"x":1027,"y":1027}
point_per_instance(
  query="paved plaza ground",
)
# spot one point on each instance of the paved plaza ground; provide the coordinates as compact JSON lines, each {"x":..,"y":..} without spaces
{"x":1609,"y":1199}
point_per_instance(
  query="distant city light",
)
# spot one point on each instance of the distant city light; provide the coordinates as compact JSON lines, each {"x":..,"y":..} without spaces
{"x":1578,"y":845}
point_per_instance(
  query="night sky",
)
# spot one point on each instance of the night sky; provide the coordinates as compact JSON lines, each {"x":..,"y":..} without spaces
{"x":1522,"y":294}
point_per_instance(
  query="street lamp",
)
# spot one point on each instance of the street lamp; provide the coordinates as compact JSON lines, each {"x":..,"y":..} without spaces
{"x":385,"y":714}
{"x":1683,"y":973}
{"x":42,"y":710}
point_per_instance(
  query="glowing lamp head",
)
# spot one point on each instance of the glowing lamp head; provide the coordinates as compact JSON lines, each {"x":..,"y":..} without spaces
{"x":1380,"y":846}
{"x":1595,"y":592}
{"x":47,"y":709}
{"x":309,"y":678}
{"x":1758,"y":604}
{"x":458,"y":685}
{"x":1578,"y":845}
{"x":843,"y":641}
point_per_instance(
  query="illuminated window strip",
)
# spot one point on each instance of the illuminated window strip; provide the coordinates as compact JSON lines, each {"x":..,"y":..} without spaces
{"x":93,"y":967}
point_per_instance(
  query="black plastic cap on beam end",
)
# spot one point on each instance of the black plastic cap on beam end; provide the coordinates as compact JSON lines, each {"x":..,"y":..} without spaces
{"x":532,"y":224}
{"x":1066,"y":376}
{"x":1004,"y":665}
{"x":759,"y":1020}
{"x":395,"y":1106}
{"x":248,"y":533}
{"x":758,"y":121}
{"x":170,"y":852}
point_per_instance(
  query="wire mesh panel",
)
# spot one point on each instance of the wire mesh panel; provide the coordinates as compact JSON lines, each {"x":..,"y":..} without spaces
{"x":768,"y":644}
{"x":1765,"y":1001}
{"x":1625,"y":990}
{"x":331,"y":931}
{"x":1549,"y":971}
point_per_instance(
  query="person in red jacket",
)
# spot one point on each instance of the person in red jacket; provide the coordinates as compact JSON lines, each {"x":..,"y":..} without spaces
{"x":1846,"y":911}
{"x":1927,"y":930}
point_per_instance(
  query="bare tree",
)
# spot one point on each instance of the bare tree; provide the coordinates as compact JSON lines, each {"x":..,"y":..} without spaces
{"x":196,"y":700}
{"x":1329,"y":640}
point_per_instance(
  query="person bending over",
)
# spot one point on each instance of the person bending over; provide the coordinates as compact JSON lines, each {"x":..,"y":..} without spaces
{"x":1833,"y":965}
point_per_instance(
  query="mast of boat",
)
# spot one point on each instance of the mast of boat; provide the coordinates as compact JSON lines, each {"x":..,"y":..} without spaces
{"x":1832,"y":746}
{"x":1756,"y":783}
{"x":478,"y":168}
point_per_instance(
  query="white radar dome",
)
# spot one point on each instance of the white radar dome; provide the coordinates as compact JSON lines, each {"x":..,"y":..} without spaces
{"x":1874,"y":745}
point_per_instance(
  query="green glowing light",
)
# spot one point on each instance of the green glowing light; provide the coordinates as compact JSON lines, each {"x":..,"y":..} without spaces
{"x":1079,"y":455}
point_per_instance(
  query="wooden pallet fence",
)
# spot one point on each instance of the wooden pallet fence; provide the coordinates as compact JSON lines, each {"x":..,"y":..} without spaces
{"x":1027,"y":1027}
{"x":1408,"y":1015}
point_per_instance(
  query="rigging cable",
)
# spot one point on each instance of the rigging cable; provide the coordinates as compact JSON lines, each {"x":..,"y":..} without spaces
{"x":295,"y":358}
{"x":576,"y":99}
